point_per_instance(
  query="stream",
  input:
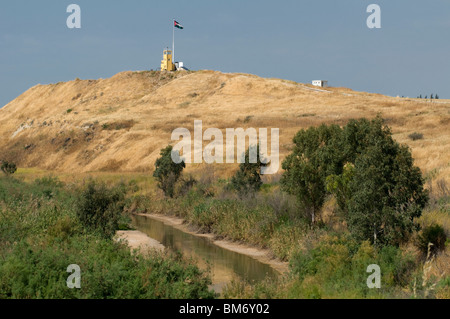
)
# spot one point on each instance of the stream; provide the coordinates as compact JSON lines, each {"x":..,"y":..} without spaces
{"x":225,"y":265}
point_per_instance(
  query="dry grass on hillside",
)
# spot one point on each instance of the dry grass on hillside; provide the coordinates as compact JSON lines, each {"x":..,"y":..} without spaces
{"x":121,"y":123}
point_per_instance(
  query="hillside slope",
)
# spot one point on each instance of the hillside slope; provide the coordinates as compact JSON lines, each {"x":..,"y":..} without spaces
{"x":121,"y":123}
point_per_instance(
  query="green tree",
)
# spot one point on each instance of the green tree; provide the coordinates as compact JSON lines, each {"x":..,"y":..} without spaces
{"x":340,"y":184}
{"x":247,"y":179}
{"x":386,"y":191}
{"x":378,"y":189}
{"x":168,"y":172}
{"x":8,"y":168}
{"x":317,"y":154}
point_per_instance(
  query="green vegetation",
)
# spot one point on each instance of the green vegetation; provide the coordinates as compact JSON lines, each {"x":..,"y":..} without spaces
{"x":349,"y":197}
{"x":248,"y":178}
{"x":316,"y":155}
{"x":45,"y":226}
{"x":374,"y":180}
{"x":432,"y":239}
{"x":167,"y":172}
{"x":8,"y":168}
{"x":336,"y":268}
{"x":99,"y":208}
{"x":387,"y":190}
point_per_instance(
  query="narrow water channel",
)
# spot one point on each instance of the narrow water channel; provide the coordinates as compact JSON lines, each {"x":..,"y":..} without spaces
{"x":225,"y":265}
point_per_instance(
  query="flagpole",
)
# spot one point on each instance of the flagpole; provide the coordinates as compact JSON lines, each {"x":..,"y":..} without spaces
{"x":173,"y":41}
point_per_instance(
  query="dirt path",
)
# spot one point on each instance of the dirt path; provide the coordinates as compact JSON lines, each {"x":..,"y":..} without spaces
{"x":262,"y":255}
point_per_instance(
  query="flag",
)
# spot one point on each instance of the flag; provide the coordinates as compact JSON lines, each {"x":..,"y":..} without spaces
{"x":177,"y":25}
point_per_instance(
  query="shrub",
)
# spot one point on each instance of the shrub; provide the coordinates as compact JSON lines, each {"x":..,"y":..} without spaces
{"x":41,"y":236}
{"x":434,"y":234}
{"x":186,"y":185}
{"x":336,"y":268}
{"x":8,"y":168}
{"x":415,"y":136}
{"x":108,"y":270}
{"x":100,"y":208}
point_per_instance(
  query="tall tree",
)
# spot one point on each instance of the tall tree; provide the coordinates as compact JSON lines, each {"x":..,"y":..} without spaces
{"x":317,"y":153}
{"x":386,"y":195}
{"x":382,"y":191}
{"x":167,"y":172}
{"x":378,"y":189}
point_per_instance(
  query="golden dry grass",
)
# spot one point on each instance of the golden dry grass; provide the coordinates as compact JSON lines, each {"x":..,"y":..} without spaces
{"x":72,"y":127}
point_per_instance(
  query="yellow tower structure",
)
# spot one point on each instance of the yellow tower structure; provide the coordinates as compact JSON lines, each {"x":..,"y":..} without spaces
{"x":167,"y":63}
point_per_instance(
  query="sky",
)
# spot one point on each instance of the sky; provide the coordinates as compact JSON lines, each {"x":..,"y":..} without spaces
{"x":289,"y":39}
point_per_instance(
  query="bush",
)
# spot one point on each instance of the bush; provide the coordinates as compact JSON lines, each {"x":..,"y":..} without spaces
{"x":186,"y":185}
{"x":40,"y":236}
{"x":100,"y":208}
{"x":108,"y":270}
{"x":336,"y":268}
{"x":434,"y":234}
{"x":8,"y":168}
{"x":415,"y":136}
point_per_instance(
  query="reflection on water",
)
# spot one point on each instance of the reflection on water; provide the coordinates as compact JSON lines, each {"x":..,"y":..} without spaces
{"x":224,"y":264}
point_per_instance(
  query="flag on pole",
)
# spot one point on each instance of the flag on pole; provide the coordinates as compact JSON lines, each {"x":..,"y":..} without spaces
{"x":177,"y":25}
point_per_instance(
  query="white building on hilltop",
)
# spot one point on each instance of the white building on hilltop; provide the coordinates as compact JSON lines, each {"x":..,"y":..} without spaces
{"x":320,"y":83}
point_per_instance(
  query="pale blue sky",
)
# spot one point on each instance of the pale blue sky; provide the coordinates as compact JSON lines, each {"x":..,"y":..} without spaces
{"x":289,"y":39}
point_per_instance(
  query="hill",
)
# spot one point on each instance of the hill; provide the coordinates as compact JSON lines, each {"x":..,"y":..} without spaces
{"x":121,"y":123}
